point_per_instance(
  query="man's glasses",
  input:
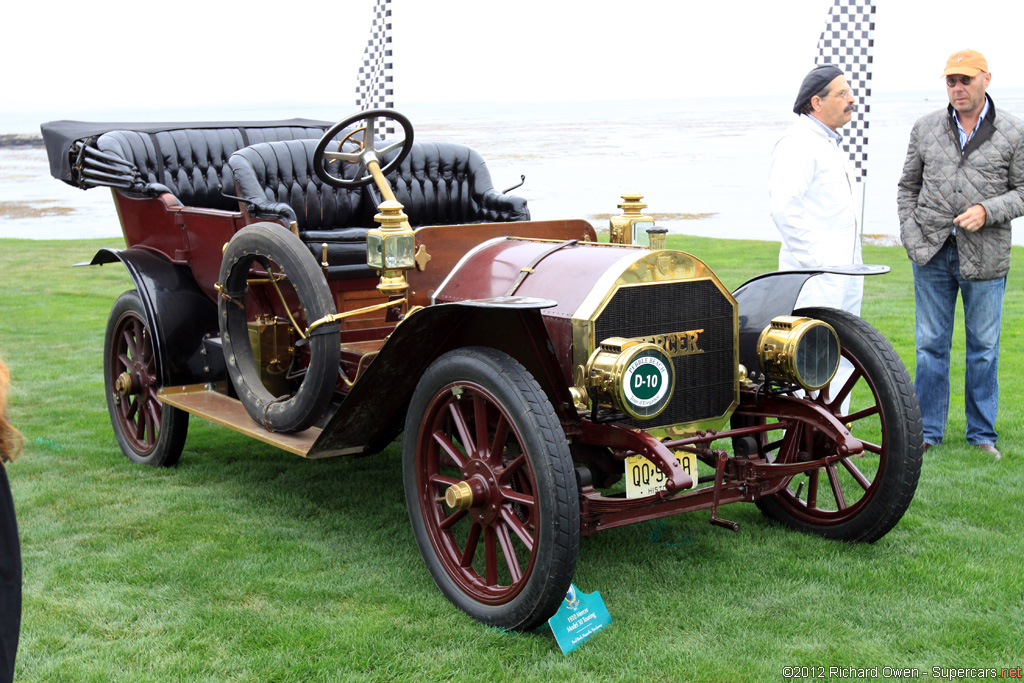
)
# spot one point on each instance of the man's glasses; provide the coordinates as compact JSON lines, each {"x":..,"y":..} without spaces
{"x":964,"y":80}
{"x":843,"y":94}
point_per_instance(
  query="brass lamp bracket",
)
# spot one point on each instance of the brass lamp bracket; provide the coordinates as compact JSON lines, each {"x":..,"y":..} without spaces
{"x":422,"y":258}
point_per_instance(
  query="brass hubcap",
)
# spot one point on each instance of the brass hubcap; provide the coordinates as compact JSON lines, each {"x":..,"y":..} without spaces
{"x":459,"y":496}
{"x":123,"y":384}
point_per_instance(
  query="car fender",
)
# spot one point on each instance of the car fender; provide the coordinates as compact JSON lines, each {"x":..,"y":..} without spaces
{"x":373,"y":412}
{"x":772,"y":294}
{"x":180,"y":316}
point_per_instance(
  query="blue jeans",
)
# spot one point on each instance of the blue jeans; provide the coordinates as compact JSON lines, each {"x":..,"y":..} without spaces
{"x":935,"y":291}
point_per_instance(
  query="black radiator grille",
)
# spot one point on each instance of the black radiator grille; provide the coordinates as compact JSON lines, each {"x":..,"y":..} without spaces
{"x":705,"y":382}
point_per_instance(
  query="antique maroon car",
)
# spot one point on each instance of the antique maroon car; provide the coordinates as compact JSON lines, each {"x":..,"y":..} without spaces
{"x":324,"y":290}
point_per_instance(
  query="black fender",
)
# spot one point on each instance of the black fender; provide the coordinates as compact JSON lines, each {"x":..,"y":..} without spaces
{"x":761,"y":298}
{"x":179,"y":314}
{"x":373,"y":413}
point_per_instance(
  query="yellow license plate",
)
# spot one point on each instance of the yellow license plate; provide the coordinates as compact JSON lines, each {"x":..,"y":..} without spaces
{"x":644,"y":479}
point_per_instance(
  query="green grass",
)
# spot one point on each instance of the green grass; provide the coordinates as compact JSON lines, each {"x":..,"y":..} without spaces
{"x":245,"y":563}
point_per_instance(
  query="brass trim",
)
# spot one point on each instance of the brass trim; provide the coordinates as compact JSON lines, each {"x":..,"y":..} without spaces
{"x":284,"y":304}
{"x":638,"y":267}
{"x":334,"y":317}
{"x":580,"y":398}
{"x":513,"y":238}
{"x":422,"y":258}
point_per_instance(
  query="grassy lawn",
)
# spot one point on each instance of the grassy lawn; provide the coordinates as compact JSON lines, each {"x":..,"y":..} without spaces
{"x":245,"y":563}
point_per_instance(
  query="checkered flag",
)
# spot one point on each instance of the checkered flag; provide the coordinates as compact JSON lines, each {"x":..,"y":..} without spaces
{"x":374,"y":89}
{"x":848,"y":42}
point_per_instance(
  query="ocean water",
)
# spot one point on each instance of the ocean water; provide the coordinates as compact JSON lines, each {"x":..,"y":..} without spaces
{"x":704,"y":157}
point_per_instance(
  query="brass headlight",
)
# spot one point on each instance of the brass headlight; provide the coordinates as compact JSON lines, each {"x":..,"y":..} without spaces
{"x":800,"y":351}
{"x":635,"y":377}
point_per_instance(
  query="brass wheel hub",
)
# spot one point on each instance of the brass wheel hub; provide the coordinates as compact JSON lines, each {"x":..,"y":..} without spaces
{"x":459,"y":496}
{"x":479,"y":492}
{"x":124,"y":385}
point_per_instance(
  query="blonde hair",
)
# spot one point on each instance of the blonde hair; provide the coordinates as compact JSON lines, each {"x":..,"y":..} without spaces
{"x":10,"y":438}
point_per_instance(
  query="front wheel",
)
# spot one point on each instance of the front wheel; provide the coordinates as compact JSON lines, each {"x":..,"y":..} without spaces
{"x":858,"y":498}
{"x":490,"y":488}
{"x":147,"y":431}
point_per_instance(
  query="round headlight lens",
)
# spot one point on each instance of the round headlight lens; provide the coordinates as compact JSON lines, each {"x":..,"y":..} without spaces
{"x":800,"y":351}
{"x":817,"y":356}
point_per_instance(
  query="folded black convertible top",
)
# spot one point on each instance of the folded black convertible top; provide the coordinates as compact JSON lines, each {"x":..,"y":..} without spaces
{"x":59,"y":136}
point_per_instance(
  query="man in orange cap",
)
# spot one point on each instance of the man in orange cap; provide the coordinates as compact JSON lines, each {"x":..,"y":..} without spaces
{"x":962,"y":184}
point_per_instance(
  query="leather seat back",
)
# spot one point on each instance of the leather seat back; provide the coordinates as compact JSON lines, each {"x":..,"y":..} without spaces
{"x":277,"y":180}
{"x":442,"y":183}
{"x":191,"y":163}
{"x":438,"y":183}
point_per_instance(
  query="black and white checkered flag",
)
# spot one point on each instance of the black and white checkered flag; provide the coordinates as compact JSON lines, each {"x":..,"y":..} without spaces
{"x":374,"y":89}
{"x":848,"y":42}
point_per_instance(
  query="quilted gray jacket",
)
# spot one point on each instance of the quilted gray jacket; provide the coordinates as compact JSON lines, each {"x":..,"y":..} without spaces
{"x":940,"y":182}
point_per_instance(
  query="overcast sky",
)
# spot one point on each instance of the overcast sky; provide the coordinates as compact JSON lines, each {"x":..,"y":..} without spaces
{"x":114,"y":55}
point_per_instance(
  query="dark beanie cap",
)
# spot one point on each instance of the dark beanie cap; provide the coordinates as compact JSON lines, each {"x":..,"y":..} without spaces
{"x":818,"y":78}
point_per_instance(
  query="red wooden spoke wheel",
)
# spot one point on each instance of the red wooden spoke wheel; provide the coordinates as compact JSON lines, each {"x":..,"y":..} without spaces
{"x":858,"y":498}
{"x":147,"y":431}
{"x":490,"y":488}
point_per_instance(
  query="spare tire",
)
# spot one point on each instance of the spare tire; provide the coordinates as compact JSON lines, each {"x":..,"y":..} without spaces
{"x":264,"y":243}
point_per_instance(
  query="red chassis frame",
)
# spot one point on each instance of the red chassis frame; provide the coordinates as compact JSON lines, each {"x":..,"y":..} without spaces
{"x":736,"y":478}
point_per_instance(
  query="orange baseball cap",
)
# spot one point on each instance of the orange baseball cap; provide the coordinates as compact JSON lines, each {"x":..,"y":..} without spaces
{"x":966,"y":62}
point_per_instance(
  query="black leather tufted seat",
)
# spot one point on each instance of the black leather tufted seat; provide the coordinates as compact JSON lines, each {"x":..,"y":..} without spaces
{"x":191,"y":163}
{"x":439,"y":183}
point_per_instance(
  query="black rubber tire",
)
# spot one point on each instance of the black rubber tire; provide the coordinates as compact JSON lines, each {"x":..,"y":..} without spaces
{"x":883,"y":503}
{"x":360,"y":179}
{"x":491,"y":381}
{"x":264,"y":243}
{"x":148,"y":432}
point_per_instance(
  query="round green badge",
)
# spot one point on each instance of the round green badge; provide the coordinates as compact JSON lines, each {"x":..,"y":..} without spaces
{"x":647,"y":383}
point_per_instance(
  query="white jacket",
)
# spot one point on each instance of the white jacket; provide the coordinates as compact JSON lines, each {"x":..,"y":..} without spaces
{"x":811,"y":195}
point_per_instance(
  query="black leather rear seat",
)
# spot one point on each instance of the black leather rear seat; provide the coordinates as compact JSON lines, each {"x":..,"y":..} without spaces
{"x":191,"y":163}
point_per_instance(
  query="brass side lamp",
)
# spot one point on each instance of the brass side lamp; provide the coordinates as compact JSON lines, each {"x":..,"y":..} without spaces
{"x":391,"y":248}
{"x":630,"y":227}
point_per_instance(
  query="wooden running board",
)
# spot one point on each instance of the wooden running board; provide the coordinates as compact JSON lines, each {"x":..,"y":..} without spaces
{"x":203,"y":401}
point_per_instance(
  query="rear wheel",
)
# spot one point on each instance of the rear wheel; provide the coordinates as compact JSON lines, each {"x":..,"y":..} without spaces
{"x":147,"y":431}
{"x":857,"y":498}
{"x":490,"y":488}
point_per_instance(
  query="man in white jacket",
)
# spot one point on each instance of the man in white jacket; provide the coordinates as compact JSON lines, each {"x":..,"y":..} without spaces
{"x":811,"y":192}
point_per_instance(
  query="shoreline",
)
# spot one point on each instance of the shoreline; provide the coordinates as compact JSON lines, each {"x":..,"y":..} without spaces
{"x":20,"y":140}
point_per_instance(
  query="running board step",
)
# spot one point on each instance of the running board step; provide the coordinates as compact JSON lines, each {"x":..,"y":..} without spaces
{"x":202,"y":400}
